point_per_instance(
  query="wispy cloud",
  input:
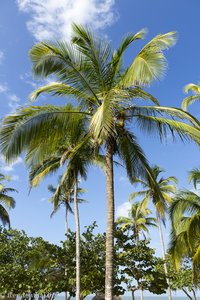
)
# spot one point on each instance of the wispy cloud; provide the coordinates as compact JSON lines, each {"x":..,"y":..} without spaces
{"x":13,"y":99}
{"x":15,"y":177}
{"x":27,"y":78}
{"x":3,"y":88}
{"x":122,"y":210}
{"x":52,"y":19}
{"x":43,"y":199}
{"x":1,"y":56}
{"x":9,"y":168}
{"x":124,"y":179}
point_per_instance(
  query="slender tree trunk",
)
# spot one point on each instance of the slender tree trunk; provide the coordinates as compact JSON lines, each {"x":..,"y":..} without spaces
{"x":76,"y":213}
{"x":66,"y":232}
{"x":194,"y":294}
{"x":142,"y":294}
{"x":110,"y":225}
{"x":163,"y":256}
{"x":66,"y":222}
{"x":187,"y":294}
{"x":133,"y":295}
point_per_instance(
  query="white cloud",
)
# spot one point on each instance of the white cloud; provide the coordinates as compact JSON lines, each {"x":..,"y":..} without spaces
{"x":52,"y":19}
{"x":27,"y":78}
{"x":1,"y":56}
{"x":15,"y":177}
{"x":3,"y":88}
{"x":43,"y":199}
{"x":122,"y":210}
{"x":9,"y":168}
{"x":13,"y":99}
{"x":124,"y":179}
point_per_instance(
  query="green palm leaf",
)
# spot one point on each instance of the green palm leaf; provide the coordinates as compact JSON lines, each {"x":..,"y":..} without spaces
{"x":150,"y":63}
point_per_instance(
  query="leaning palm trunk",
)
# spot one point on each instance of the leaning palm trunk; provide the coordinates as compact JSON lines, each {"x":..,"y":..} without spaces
{"x":78,"y":280}
{"x":163,"y":256}
{"x":110,"y":225}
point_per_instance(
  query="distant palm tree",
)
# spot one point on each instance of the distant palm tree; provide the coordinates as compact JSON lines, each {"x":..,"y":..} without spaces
{"x":6,"y":201}
{"x":185,"y":216}
{"x":167,"y":189}
{"x":66,"y":198}
{"x":138,"y":220}
{"x":191,"y":99}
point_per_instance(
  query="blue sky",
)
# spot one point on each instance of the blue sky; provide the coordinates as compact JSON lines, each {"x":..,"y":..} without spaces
{"x":24,"y":22}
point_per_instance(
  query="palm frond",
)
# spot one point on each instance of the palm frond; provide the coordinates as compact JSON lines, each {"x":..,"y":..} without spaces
{"x":150,"y":63}
{"x":60,"y":89}
{"x":188,"y":101}
{"x":4,"y":217}
{"x":64,"y":61}
{"x":192,"y":87}
{"x":163,"y":126}
{"x":35,"y":123}
{"x":194,"y":176}
{"x":7,"y":201}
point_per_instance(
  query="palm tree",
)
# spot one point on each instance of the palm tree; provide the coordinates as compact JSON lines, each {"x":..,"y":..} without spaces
{"x":88,"y":70}
{"x":138,"y":220}
{"x":185,"y":217}
{"x":6,"y":201}
{"x":76,"y":165}
{"x":191,"y":99}
{"x":66,"y":198}
{"x":167,"y":189}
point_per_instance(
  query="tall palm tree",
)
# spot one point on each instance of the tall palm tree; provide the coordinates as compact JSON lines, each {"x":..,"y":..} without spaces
{"x":88,"y":70}
{"x":138,"y":220}
{"x":68,"y":184}
{"x":6,"y":201}
{"x":167,"y":189}
{"x":66,"y":198}
{"x":185,"y":217}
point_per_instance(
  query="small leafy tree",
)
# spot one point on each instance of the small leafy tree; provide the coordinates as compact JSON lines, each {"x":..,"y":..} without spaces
{"x":140,"y":269}
{"x":183,"y":278}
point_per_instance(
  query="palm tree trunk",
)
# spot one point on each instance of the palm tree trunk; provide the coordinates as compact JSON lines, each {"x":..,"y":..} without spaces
{"x":163,"y":256}
{"x":133,"y":294}
{"x":66,"y":222}
{"x":110,"y":224}
{"x":142,"y":294}
{"x":76,"y":213}
{"x":66,"y":232}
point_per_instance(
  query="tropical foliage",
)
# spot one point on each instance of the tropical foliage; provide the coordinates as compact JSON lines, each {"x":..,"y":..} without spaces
{"x":191,"y":99}
{"x":6,"y":201}
{"x":167,"y":189}
{"x":185,"y":216}
{"x":138,"y":220}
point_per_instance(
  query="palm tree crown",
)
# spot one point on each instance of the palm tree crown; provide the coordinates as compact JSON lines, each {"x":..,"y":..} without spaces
{"x":138,"y":220}
{"x":185,"y":216}
{"x":167,"y":189}
{"x":6,"y":201}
